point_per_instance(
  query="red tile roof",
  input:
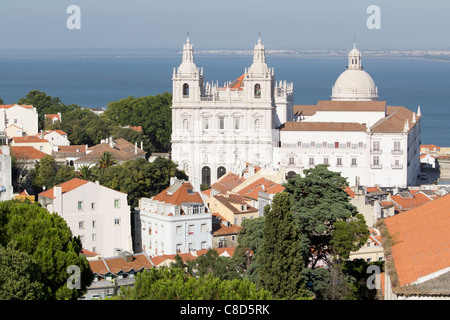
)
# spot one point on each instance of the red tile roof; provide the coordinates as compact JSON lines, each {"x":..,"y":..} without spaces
{"x":238,"y":83}
{"x":157,"y":260}
{"x":122,"y":151}
{"x":65,"y":187}
{"x":7,"y":106}
{"x":227,"y":182}
{"x":178,"y":193}
{"x":421,"y":240}
{"x":52,"y":116}
{"x":116,"y":264}
{"x":322,"y":126}
{"x":57,"y":131}
{"x":331,"y":105}
{"x":408,"y":202}
{"x":305,"y":110}
{"x":262,"y":184}
{"x":395,"y":119}
{"x":26,"y":153}
{"x":350,"y":192}
{"x":233,"y":203}
{"x":28,"y":139}
{"x":219,"y":229}
{"x":430,"y":147}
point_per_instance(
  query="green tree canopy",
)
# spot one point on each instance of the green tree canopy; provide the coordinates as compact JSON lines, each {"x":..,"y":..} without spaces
{"x":48,"y":245}
{"x":319,"y":200}
{"x":140,"y":178}
{"x":249,"y":242}
{"x":18,"y":276}
{"x":175,"y":284}
{"x":47,"y":173}
{"x":209,"y":263}
{"x":280,"y":261}
{"x":153,"y":113}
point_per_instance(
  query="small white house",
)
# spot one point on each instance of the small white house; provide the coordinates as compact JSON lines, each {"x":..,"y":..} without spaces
{"x":174,"y":221}
{"x":24,"y":117}
{"x":56,"y":137}
{"x":99,"y":215}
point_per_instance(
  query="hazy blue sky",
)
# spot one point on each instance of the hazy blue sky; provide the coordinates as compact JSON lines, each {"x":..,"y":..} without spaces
{"x":227,"y":24}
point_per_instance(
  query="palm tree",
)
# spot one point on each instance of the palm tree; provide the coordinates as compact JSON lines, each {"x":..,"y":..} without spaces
{"x":105,"y":161}
{"x":86,"y":172}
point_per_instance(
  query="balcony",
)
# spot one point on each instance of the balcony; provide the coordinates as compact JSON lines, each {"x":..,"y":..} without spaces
{"x":397,"y":166}
{"x":376,"y":166}
{"x":397,"y":152}
{"x":376,"y":151}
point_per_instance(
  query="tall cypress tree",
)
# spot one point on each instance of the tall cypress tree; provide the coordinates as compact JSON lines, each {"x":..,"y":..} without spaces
{"x":280,"y":260}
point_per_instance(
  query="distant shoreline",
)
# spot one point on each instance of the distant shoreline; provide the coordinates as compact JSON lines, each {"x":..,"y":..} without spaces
{"x":435,"y":55}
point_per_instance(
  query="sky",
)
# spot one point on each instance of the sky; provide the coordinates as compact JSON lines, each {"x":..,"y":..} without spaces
{"x":230,"y":24}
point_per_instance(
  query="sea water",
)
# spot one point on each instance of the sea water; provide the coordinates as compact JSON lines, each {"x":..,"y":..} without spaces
{"x":94,"y":80}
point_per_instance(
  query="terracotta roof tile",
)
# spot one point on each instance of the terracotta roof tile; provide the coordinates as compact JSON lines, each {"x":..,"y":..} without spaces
{"x":350,"y":192}
{"x":331,"y":105}
{"x":28,"y":139}
{"x":429,"y":146}
{"x":57,"y":131}
{"x":183,"y":194}
{"x":122,"y":151}
{"x":116,"y":264}
{"x":65,"y":187}
{"x":26,"y":153}
{"x":404,"y":202}
{"x":238,"y":83}
{"x":262,"y":184}
{"x":227,"y":182}
{"x":219,"y":229}
{"x":233,"y":202}
{"x":421,"y":242}
{"x":157,"y":260}
{"x":322,"y":126}
{"x":53,"y":115}
{"x":305,"y":110}
{"x":394,"y":122}
{"x":7,"y":106}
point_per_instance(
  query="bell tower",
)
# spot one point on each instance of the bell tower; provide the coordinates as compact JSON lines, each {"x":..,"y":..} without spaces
{"x":259,"y":77}
{"x":187,"y":79}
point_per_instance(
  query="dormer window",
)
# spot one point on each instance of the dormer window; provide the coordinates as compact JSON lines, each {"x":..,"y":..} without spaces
{"x":243,"y":207}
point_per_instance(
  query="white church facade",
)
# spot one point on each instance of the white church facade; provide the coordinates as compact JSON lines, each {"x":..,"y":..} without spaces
{"x":254,"y":120}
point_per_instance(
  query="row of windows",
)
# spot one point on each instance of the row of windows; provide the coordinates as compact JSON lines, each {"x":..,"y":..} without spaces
{"x":159,"y":246}
{"x":256,"y":92}
{"x":81,"y":224}
{"x":325,"y":144}
{"x":353,"y":163}
{"x":92,"y":205}
{"x":221,"y":123}
{"x":311,"y":161}
{"x":178,"y":229}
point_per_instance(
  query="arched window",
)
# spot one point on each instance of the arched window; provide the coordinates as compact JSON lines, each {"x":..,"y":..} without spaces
{"x":185,"y":90}
{"x":206,"y":176}
{"x":291,"y":174}
{"x":257,"y":90}
{"x":221,"y":171}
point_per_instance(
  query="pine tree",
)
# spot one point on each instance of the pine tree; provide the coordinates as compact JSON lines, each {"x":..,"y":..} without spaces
{"x":280,"y":260}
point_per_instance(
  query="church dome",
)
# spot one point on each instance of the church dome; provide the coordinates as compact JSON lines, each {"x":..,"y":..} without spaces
{"x":354,"y":83}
